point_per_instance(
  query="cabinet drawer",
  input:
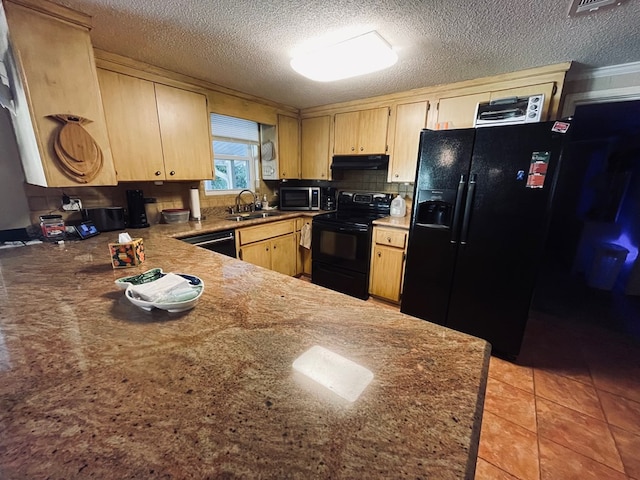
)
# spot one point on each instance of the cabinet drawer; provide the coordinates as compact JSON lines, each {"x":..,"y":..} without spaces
{"x":393,"y":238}
{"x":262,"y":232}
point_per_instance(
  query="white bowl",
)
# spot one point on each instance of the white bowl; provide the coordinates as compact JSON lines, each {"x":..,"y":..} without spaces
{"x":196,"y":284}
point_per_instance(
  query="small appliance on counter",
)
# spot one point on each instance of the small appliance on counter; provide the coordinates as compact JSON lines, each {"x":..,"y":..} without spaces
{"x":105,"y":219}
{"x":299,"y":198}
{"x":137,"y":211}
{"x":328,"y":198}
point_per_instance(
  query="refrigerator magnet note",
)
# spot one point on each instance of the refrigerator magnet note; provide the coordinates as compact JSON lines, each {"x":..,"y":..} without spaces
{"x":538,"y":169}
{"x":342,"y":376}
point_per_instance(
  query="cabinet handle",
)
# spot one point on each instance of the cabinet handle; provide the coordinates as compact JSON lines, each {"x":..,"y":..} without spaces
{"x":396,"y":175}
{"x":353,"y":148}
{"x":266,"y":249}
{"x":379,"y":254}
{"x":389,"y":239}
{"x":172,"y":172}
{"x":361,"y":149}
{"x":158,"y":173}
{"x":284,"y":174}
{"x":274,"y":247}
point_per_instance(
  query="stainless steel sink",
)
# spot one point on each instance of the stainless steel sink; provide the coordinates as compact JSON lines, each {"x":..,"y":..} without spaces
{"x":238,"y":217}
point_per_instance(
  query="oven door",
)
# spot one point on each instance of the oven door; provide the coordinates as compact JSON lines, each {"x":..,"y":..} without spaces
{"x":340,"y":258}
{"x":343,"y":246}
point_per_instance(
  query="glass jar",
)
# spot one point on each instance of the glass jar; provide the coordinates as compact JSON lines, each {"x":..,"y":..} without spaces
{"x":52,"y":227}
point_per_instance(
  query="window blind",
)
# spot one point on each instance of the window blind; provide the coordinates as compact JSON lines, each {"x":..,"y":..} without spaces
{"x":226,"y":127}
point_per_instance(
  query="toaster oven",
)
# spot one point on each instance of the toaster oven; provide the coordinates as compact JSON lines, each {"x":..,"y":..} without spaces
{"x":509,"y":111}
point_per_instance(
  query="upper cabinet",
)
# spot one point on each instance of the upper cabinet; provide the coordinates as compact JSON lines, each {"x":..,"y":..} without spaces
{"x":288,"y":147}
{"x":459,"y":111}
{"x":362,"y":132}
{"x":404,"y":136}
{"x":157,"y":132}
{"x":60,"y":121}
{"x":315,"y":158}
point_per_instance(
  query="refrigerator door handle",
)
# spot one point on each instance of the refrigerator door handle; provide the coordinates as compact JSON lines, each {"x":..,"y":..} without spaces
{"x":457,"y":209}
{"x":467,"y":209}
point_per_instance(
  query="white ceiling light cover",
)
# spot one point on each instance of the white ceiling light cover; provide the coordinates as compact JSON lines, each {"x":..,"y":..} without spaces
{"x":357,"y":56}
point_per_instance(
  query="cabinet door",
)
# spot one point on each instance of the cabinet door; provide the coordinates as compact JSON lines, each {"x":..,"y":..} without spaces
{"x":315,"y":147}
{"x":184,"y":129}
{"x":372,"y":131}
{"x":410,"y":119}
{"x":346,"y":133}
{"x":57,"y":71}
{"x":546,"y":88}
{"x":386,"y":272}
{"x":459,"y":112}
{"x":132,"y":121}
{"x":283,"y":254}
{"x":288,"y":147}
{"x":258,"y":253}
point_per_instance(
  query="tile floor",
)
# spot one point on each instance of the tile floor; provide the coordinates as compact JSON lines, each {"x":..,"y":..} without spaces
{"x":569,"y":407}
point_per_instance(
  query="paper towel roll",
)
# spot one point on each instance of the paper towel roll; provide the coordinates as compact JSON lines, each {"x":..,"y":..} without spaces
{"x":194,"y":200}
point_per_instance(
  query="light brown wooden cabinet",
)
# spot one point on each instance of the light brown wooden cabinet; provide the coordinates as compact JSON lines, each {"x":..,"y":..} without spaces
{"x":288,"y":147}
{"x":158,"y":132}
{"x":315,"y":151}
{"x":303,"y":258}
{"x":56,"y":75}
{"x":362,"y":132}
{"x":408,"y":121}
{"x":271,"y":246}
{"x":387,"y":262}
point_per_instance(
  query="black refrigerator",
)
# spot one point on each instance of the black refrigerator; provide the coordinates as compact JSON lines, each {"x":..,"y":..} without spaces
{"x":479,"y":221}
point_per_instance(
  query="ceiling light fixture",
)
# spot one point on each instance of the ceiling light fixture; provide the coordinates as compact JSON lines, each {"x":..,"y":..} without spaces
{"x":356,"y":56}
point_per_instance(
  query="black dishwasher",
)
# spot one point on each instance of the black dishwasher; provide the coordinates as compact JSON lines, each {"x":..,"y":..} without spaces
{"x":222,"y":242}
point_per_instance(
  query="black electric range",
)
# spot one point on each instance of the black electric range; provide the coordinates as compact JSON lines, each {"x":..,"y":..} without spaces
{"x":341,"y":242}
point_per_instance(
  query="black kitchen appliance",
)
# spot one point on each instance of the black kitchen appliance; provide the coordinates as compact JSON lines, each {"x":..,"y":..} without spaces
{"x":328,"y":198}
{"x":479,"y":220}
{"x":222,"y":242}
{"x":341,"y":242}
{"x":137,"y":211}
{"x":105,"y":219}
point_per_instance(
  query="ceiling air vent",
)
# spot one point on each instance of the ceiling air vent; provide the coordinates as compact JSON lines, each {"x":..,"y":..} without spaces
{"x":585,"y":7}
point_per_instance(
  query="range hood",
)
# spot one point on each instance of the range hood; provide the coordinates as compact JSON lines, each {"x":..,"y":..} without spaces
{"x":360,"y":162}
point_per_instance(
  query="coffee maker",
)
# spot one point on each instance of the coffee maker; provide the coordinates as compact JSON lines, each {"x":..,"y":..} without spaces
{"x":137,"y":212}
{"x":328,"y":198}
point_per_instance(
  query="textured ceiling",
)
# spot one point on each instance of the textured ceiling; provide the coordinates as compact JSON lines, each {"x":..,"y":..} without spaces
{"x":247,"y":46}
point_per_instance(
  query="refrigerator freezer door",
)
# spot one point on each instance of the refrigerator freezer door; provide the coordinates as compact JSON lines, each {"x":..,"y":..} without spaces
{"x":445,"y":157}
{"x":496,"y":268}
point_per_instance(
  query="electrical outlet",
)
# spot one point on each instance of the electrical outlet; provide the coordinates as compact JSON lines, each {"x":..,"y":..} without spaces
{"x":74,"y":205}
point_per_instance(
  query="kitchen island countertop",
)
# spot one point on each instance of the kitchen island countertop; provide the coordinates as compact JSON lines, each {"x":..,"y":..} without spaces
{"x":92,"y":387}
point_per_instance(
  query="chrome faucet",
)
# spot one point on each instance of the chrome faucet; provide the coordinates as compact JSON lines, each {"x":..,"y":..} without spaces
{"x":245,"y":208}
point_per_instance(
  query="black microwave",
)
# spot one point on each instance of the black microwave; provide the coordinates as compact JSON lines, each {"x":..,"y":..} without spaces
{"x":299,"y":198}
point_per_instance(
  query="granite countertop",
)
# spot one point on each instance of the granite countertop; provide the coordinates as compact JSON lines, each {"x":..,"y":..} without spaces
{"x":91,"y":386}
{"x":397,"y":222}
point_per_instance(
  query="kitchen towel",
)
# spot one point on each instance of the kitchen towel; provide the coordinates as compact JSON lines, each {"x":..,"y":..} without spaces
{"x":194,"y":200}
{"x":305,"y":236}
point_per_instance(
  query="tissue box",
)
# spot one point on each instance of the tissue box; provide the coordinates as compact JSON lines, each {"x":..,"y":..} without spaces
{"x":129,"y":254}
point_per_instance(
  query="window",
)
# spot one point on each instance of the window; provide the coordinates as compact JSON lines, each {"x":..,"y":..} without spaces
{"x":235,"y":154}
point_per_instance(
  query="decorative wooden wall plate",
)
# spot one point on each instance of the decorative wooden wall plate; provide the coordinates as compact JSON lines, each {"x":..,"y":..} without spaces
{"x":79,"y":154}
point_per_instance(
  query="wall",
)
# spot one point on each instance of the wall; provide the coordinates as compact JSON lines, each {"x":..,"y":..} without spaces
{"x":371,"y":181}
{"x":14,"y":208}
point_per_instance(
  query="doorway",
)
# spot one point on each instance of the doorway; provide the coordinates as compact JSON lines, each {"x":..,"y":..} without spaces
{"x":597,"y":204}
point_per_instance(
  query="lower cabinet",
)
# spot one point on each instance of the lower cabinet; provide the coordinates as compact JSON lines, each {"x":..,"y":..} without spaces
{"x":272,"y":246}
{"x":388,"y":255}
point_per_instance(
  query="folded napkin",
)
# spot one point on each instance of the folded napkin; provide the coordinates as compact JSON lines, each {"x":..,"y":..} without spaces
{"x":161,"y":288}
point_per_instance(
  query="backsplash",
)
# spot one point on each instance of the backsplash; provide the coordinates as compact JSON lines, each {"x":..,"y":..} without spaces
{"x":43,"y":201}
